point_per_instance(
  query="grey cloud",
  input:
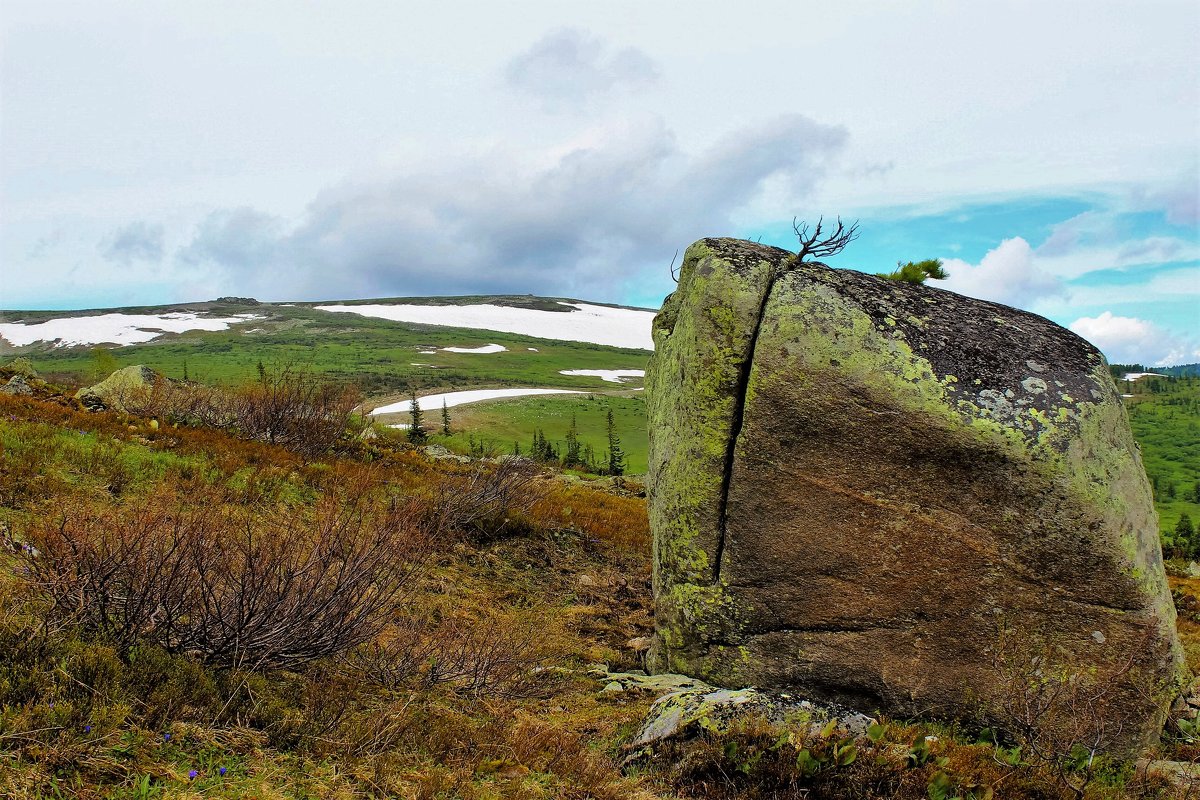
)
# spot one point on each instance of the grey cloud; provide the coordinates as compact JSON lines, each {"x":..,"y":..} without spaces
{"x":586,"y":225}
{"x":1156,"y":249}
{"x":238,"y":236}
{"x":569,"y":66}
{"x":137,"y":241}
{"x":1067,"y":235}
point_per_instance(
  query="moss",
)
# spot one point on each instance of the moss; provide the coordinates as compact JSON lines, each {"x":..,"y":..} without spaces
{"x":701,"y":340}
{"x":818,"y":336}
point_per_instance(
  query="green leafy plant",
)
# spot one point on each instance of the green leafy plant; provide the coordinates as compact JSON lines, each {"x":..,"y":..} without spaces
{"x":917,"y":271}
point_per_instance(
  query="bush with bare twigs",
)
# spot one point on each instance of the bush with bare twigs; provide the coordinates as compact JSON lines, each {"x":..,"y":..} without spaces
{"x":287,"y":406}
{"x":236,"y":586}
{"x":1064,"y":717}
{"x":489,"y":502}
{"x":502,"y":653}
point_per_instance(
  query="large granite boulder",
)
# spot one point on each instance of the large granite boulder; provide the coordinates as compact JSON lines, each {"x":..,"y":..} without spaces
{"x":900,"y":499}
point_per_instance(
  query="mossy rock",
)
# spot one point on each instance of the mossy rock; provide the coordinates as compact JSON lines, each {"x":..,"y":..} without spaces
{"x":119,"y":389}
{"x":897,"y":498}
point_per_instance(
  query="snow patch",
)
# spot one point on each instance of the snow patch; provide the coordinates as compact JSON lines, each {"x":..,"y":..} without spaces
{"x":433,"y":402}
{"x":487,"y":348}
{"x":120,"y":329}
{"x":616,"y":327}
{"x":610,"y":375}
{"x":1133,"y":376}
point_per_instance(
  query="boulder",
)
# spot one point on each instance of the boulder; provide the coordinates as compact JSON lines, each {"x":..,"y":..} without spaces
{"x":22,"y":366}
{"x":899,"y":499}
{"x":119,"y":390}
{"x":17,"y":385}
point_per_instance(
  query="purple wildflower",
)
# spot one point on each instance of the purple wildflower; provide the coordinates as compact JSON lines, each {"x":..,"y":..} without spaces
{"x":87,"y":728}
{"x":222,"y":771}
{"x":192,"y":775}
{"x":166,"y":737}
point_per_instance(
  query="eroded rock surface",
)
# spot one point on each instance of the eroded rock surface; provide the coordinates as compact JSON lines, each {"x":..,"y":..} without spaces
{"x":897,"y":498}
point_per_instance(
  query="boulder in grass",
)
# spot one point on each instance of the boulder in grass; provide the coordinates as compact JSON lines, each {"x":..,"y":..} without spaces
{"x":899,"y":499}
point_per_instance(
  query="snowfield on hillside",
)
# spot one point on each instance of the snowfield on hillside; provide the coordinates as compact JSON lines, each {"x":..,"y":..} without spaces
{"x":610,"y":375}
{"x":433,"y":402}
{"x":616,"y":327}
{"x":113,"y":328}
{"x":487,"y":348}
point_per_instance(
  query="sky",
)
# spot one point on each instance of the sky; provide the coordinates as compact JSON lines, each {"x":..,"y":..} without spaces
{"x":158,"y":152}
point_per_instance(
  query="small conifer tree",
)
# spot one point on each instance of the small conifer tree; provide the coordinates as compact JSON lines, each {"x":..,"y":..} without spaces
{"x":445,"y":418}
{"x":616,"y":456}
{"x":572,"y":457}
{"x":416,"y":428}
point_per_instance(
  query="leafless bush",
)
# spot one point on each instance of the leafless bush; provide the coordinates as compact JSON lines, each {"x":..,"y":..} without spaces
{"x":500,"y":654}
{"x":488,"y":502}
{"x":287,"y":406}
{"x":1064,"y":715}
{"x":238,"y":586}
{"x":295,"y":409}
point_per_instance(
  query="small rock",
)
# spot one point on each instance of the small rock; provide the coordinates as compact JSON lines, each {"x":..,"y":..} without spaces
{"x":17,"y":385}
{"x":684,"y":713}
{"x":639,"y":644}
{"x":612,"y":687}
{"x":1098,"y":637}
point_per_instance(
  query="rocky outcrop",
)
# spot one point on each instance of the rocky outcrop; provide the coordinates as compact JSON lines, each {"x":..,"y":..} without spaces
{"x":899,"y":499}
{"x":119,"y":390}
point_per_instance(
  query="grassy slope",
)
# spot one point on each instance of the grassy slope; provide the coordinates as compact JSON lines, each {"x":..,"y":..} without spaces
{"x":78,"y":721}
{"x":376,"y":354}
{"x":501,"y":423}
{"x":1166,"y":424}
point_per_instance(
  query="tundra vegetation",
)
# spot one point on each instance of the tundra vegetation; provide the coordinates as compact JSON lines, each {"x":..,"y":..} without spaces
{"x":194,"y":603}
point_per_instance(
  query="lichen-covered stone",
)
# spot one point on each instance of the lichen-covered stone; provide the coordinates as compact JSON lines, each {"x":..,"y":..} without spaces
{"x":17,"y":385}
{"x":705,"y":709}
{"x":916,"y":493}
{"x":119,"y":389}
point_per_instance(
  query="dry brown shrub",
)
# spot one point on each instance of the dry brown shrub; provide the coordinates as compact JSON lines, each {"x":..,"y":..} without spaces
{"x":294,"y":408}
{"x":238,"y":586}
{"x":491,"y":501}
{"x":504,"y":653}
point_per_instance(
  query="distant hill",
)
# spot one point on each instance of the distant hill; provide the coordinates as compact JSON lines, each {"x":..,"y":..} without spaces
{"x":388,"y":347}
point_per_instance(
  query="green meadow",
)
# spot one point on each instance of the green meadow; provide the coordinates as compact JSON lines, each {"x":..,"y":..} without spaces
{"x":497,"y":425}
{"x":382,"y":357}
{"x":1165,"y":416}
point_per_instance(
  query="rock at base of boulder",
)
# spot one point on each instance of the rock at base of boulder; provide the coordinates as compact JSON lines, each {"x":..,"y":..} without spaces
{"x":703,"y":709}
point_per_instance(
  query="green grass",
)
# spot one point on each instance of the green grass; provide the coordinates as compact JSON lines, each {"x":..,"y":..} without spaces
{"x":500,"y":423}
{"x":1165,"y":417}
{"x":379,"y":355}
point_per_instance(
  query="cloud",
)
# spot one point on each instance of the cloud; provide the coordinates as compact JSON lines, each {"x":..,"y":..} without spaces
{"x":568,"y":67}
{"x":137,"y":241}
{"x":240,"y":237}
{"x":1007,"y":274}
{"x":1179,"y":201}
{"x":1129,"y":340}
{"x":585,"y":222}
{"x":1067,"y":235}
